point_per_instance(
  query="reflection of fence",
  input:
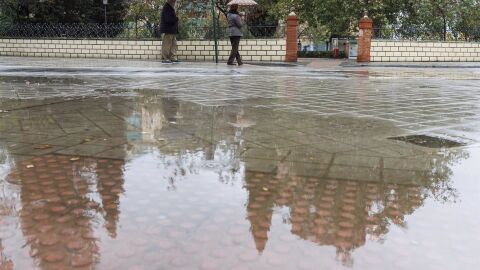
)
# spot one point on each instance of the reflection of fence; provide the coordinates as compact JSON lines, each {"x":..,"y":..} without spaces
{"x":422,"y":34}
{"x":127,"y":31}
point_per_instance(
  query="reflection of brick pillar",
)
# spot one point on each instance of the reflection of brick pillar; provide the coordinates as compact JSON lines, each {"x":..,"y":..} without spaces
{"x":364,"y":40}
{"x":292,"y":46}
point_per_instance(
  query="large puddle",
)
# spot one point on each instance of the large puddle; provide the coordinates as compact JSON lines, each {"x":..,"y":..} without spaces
{"x":147,"y":182}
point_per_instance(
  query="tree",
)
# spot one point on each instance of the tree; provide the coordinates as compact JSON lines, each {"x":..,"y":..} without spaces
{"x":147,"y":13}
{"x":339,"y":17}
{"x":468,"y":20}
{"x":62,"y":11}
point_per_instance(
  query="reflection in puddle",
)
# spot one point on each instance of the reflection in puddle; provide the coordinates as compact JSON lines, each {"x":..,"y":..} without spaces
{"x":61,"y":202}
{"x":154,"y":183}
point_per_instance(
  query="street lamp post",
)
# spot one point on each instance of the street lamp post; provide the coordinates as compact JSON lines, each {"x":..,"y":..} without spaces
{"x":105,"y":3}
{"x":215,"y":37}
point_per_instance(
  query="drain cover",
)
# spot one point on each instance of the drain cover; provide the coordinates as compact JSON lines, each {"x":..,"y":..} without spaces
{"x":429,"y":141}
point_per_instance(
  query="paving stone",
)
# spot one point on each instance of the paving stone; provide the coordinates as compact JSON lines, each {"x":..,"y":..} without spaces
{"x":198,"y":165}
{"x":83,"y":150}
{"x":352,"y":160}
{"x":355,"y":173}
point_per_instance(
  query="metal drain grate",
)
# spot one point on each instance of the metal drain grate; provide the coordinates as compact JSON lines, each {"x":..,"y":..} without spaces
{"x":429,"y":141}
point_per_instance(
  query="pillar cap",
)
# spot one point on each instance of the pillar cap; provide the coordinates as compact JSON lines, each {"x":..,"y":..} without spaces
{"x":365,"y":23}
{"x":366,"y":19}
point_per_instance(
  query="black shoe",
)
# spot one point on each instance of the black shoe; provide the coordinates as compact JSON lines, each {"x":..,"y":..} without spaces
{"x":231,"y":64}
{"x":240,"y":63}
{"x":166,"y":62}
{"x":176,"y":61}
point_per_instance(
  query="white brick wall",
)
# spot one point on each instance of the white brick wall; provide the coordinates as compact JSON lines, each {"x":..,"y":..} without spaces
{"x":416,"y":51}
{"x":251,"y":50}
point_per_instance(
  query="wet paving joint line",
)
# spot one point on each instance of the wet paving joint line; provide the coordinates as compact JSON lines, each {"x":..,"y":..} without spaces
{"x":59,"y":126}
{"x":286,"y":156}
{"x":382,"y":164}
{"x":86,"y":156}
{"x":329,"y":166}
{"x":48,"y":104}
{"x":115,"y":114}
{"x":95,"y":124}
{"x":243,"y":151}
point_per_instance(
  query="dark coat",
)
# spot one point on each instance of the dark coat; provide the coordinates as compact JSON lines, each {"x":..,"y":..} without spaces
{"x":168,"y":20}
{"x":235,"y":24}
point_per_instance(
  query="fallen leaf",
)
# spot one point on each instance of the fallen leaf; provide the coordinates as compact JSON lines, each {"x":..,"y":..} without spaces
{"x":265,"y":189}
{"x":3,"y":111}
{"x":74,"y":159}
{"x":29,"y":166}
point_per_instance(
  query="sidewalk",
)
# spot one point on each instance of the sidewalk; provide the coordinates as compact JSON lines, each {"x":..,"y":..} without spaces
{"x":321,"y":62}
{"x":352,"y":63}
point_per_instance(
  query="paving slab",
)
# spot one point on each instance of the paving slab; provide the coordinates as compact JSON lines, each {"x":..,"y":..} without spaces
{"x":118,"y":164}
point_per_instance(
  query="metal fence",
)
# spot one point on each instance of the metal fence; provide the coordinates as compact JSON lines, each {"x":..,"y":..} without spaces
{"x":427,"y":35}
{"x":129,"y":31}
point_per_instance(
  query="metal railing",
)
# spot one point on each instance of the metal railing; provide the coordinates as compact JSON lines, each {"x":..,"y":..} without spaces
{"x":129,"y":31}
{"x":249,"y":32}
{"x":421,"y":34}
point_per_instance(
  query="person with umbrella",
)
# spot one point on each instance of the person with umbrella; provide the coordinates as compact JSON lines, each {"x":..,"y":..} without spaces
{"x":235,"y":25}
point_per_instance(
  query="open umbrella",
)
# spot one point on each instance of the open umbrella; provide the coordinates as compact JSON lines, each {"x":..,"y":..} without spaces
{"x":242,"y":3}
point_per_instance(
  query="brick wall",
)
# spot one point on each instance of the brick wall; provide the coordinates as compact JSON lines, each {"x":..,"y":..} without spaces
{"x":415,"y":51}
{"x":251,"y":50}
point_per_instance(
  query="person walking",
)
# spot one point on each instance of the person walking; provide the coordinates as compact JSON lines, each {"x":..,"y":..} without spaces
{"x":169,"y":31}
{"x":235,"y":25}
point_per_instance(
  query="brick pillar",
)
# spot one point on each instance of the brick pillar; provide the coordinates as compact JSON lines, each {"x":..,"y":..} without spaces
{"x":364,"y":39}
{"x":292,"y":45}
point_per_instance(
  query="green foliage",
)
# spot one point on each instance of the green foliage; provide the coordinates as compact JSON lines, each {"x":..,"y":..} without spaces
{"x":427,"y":19}
{"x":338,"y":17}
{"x":321,"y":19}
{"x":61,"y":11}
{"x":195,"y":19}
{"x":314,"y":54}
{"x":146,"y":13}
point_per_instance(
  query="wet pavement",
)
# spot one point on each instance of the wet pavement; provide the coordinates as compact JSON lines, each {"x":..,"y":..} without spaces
{"x":135,"y":165}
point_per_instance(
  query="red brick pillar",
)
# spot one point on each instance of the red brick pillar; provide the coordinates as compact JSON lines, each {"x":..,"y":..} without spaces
{"x":292,"y":45}
{"x":364,"y":39}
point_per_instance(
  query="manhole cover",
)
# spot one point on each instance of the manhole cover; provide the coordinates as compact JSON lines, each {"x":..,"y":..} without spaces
{"x":429,"y":141}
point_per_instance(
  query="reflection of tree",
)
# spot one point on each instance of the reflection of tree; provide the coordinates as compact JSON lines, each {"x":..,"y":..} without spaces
{"x":5,"y":262}
{"x":332,"y":212}
{"x":177,"y":167}
{"x":341,"y":213}
{"x":440,"y":186}
{"x":186,"y":141}
{"x":8,"y":200}
{"x":61,"y":201}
